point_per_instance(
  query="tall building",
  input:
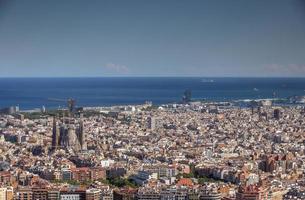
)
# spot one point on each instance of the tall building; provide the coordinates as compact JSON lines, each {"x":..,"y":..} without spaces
{"x":151,"y":123}
{"x":81,"y":174}
{"x":252,"y":192}
{"x":53,"y":195}
{"x":6,"y":193}
{"x":2,"y":193}
{"x":9,"y":193}
{"x":82,"y":136}
{"x":5,"y":177}
{"x":154,"y":123}
{"x":24,"y":193}
{"x":63,"y":135}
{"x":106,"y":195}
{"x":277,"y":114}
{"x":276,"y":162}
{"x":93,"y":194}
{"x":55,"y":135}
{"x":68,"y":136}
{"x":72,"y":139}
{"x":40,"y":193}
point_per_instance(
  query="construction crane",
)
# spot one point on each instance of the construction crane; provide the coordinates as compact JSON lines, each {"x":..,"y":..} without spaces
{"x":70,"y":103}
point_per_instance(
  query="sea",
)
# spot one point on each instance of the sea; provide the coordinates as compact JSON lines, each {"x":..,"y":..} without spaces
{"x":31,"y":93}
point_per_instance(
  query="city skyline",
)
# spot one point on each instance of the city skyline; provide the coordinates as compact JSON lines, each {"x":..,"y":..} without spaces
{"x":156,"y":38}
{"x":152,"y":100}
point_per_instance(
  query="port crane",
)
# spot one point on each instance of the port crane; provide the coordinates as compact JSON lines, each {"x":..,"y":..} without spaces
{"x":70,"y":103}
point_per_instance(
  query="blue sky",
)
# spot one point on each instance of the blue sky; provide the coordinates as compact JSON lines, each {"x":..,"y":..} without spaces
{"x":56,"y":38}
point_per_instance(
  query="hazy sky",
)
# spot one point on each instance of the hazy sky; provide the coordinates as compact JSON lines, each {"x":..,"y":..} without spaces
{"x":152,"y":38}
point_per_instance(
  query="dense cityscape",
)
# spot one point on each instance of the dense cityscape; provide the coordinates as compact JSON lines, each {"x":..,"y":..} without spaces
{"x":152,"y":100}
{"x":186,"y":151}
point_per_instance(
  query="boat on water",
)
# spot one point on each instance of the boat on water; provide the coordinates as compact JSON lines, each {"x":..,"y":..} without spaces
{"x":207,"y":80}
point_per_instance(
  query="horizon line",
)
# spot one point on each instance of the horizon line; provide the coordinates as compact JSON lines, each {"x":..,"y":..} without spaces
{"x":16,"y":77}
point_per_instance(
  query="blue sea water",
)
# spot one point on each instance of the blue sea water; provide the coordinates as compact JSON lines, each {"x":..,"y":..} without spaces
{"x":31,"y":93}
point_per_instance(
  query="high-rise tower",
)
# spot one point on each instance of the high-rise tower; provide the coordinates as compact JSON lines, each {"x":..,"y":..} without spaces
{"x":55,"y":134}
{"x":82,"y":136}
